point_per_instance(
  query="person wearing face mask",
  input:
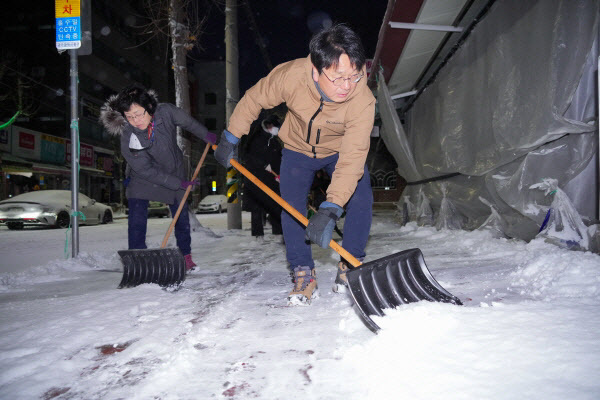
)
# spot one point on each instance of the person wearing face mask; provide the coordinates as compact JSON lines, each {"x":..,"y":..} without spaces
{"x":262,"y":157}
{"x":269,"y":127}
{"x":148,"y":131}
{"x":328,"y":126}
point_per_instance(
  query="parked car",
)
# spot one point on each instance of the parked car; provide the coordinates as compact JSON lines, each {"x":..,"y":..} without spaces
{"x":212,"y":203}
{"x":158,"y":209}
{"x":155,"y":209}
{"x":50,"y":208}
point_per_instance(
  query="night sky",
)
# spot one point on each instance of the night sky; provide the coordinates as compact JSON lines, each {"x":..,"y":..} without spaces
{"x":286,"y":27}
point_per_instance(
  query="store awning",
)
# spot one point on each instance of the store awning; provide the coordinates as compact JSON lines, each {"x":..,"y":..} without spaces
{"x":15,"y":165}
{"x":94,"y":171}
{"x":51,"y":169}
{"x":9,"y":159}
{"x":17,"y":170}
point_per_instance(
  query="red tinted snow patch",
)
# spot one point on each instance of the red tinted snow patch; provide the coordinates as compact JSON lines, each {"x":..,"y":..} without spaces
{"x":55,"y":392}
{"x":258,"y":352}
{"x":234,"y":390}
{"x":304,"y":372}
{"x":109,"y":349}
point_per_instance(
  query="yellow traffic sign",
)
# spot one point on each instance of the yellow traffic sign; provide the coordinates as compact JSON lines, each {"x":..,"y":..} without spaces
{"x":67,"y":8}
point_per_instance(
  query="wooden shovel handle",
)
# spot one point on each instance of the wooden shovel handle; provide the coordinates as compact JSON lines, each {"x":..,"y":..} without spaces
{"x":185,"y":196}
{"x":333,"y":244}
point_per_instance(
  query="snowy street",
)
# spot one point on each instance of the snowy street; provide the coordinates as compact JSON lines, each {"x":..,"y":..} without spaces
{"x":528,"y":328}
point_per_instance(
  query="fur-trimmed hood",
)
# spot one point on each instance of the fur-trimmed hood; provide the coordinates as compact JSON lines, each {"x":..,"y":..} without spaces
{"x":114,"y":121}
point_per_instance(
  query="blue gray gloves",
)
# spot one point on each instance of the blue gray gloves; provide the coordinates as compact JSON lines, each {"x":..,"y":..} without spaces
{"x":226,"y":149}
{"x":321,"y":225}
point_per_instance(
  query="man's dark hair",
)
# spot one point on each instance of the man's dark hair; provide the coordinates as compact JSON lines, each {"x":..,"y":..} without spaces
{"x":135,"y":94}
{"x":328,"y":45}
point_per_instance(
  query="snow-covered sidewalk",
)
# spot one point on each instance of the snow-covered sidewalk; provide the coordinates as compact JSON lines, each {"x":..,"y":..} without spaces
{"x":528,"y":328}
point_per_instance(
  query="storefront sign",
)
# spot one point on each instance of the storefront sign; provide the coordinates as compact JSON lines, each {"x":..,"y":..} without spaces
{"x":26,"y":143}
{"x":5,"y":139}
{"x":52,"y":149}
{"x":86,"y":154}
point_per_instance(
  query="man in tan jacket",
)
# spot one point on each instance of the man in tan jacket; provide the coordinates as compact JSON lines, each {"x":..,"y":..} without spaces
{"x":328,"y":126}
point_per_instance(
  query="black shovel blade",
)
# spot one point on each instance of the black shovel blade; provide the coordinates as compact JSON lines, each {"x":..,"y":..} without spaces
{"x":165,"y":267}
{"x":391,"y":281}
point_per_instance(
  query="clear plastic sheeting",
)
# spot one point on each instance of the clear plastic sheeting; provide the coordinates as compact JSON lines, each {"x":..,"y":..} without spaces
{"x":424,"y":211}
{"x":448,"y":217}
{"x":495,"y":224}
{"x":514,"y":105}
{"x":393,"y":134}
{"x":406,"y":211}
{"x":563,"y":225}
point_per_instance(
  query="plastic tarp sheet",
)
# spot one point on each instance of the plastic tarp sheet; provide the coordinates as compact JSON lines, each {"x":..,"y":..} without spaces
{"x":514,"y":105}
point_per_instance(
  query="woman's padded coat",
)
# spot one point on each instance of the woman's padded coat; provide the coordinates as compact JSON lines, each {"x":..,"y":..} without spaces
{"x":156,"y":171}
{"x":343,"y":128}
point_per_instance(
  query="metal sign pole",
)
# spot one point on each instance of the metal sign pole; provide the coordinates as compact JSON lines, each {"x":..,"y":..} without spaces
{"x":74,"y":154}
{"x":68,"y":37}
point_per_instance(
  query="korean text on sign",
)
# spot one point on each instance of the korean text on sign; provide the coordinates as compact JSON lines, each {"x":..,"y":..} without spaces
{"x":68,"y":24}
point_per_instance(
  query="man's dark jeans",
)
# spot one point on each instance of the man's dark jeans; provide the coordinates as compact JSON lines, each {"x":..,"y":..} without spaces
{"x":138,"y":221}
{"x":297,"y":173}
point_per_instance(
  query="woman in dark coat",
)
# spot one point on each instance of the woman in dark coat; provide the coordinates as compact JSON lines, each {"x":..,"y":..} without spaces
{"x":148,"y":131}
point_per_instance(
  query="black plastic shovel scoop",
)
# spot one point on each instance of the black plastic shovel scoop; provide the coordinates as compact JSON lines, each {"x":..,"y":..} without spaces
{"x":388,"y":282}
{"x":163,"y":266}
{"x":391,"y":281}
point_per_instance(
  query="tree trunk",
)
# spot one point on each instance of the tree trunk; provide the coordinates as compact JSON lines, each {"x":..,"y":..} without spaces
{"x":179,"y":33}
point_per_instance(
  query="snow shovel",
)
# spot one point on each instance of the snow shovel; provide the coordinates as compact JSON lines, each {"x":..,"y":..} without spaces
{"x":163,"y":266}
{"x":388,"y":282}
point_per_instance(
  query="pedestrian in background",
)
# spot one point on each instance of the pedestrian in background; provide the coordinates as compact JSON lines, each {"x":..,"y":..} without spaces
{"x":262,"y":157}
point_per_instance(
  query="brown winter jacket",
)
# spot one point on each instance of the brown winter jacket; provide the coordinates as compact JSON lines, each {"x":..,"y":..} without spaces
{"x":343,"y":128}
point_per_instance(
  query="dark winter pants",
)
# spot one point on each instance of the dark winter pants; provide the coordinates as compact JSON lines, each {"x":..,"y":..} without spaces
{"x":297,"y":173}
{"x":257,"y":220}
{"x":138,"y":221}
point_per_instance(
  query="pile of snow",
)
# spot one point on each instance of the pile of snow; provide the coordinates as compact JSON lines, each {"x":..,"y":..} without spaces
{"x":528,"y":327}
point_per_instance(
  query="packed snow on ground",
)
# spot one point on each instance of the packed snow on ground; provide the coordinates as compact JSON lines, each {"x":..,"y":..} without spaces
{"x":528,"y":328}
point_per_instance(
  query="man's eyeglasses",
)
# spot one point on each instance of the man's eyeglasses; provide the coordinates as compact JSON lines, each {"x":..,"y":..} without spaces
{"x":133,"y":117}
{"x":340,"y":81}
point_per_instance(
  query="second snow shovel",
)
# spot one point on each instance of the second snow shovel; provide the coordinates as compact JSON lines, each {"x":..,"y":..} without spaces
{"x":385,"y":283}
{"x":163,"y":266}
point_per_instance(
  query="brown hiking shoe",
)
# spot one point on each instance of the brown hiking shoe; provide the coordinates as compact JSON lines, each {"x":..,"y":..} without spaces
{"x":305,"y":286}
{"x":341,"y":283}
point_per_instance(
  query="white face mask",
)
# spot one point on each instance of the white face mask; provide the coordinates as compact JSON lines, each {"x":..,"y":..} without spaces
{"x":274,"y":131}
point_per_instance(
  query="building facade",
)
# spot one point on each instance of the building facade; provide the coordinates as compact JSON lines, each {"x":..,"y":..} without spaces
{"x":35,"y":148}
